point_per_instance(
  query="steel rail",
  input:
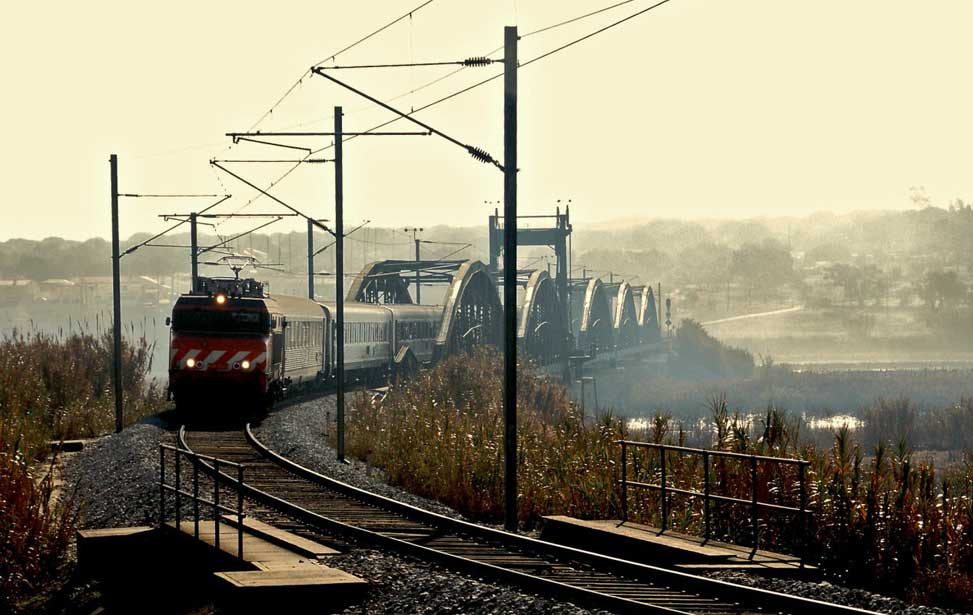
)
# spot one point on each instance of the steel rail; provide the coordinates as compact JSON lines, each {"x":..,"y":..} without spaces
{"x":595,"y":576}
{"x":449,"y":560}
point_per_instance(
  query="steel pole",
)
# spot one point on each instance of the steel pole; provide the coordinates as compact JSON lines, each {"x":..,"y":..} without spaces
{"x":418,"y":286}
{"x":116,"y":296}
{"x":339,"y":243}
{"x":510,"y":275}
{"x":310,"y":259}
{"x":194,"y":252}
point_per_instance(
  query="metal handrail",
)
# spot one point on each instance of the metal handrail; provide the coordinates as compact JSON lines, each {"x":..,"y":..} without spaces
{"x":713,"y":453}
{"x":753,"y":502}
{"x":197,"y":459}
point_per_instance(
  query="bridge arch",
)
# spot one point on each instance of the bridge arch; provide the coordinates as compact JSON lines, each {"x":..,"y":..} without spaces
{"x":596,"y":319}
{"x":648,"y":317}
{"x":541,"y":330}
{"x":377,"y":283}
{"x":625,"y":321}
{"x":472,"y":314}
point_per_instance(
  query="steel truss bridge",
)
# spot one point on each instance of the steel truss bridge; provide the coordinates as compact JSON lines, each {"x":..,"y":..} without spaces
{"x":577,"y":319}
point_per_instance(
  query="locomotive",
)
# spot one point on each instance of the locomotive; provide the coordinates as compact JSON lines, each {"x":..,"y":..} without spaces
{"x":229,"y":337}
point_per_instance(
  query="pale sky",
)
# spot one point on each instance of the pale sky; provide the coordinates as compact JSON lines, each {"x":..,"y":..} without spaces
{"x":700,"y":108}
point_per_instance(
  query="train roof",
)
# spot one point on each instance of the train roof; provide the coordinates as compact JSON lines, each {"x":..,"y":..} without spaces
{"x":382,"y":310}
{"x":296,"y":307}
{"x":291,"y":307}
{"x":408,"y":310}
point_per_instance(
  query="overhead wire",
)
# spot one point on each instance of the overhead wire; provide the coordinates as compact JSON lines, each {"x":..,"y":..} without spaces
{"x":307,"y":72}
{"x":578,"y":18}
{"x":493,"y":77}
{"x":488,"y":54}
{"x":456,"y":251}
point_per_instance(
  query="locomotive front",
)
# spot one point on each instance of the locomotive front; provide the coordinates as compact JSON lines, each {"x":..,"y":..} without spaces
{"x":220,"y":344}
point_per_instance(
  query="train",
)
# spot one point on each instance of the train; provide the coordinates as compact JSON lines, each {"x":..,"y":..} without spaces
{"x":231,"y":338}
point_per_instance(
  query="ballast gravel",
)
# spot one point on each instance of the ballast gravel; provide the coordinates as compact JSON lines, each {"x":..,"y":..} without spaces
{"x":115,"y":479}
{"x":828,"y":592}
{"x":299,"y":433}
{"x":406,"y":586}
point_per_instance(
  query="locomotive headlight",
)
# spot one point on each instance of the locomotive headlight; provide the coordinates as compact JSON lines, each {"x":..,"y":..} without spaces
{"x":190,"y":362}
{"x":245,"y":364}
{"x":220,"y":299}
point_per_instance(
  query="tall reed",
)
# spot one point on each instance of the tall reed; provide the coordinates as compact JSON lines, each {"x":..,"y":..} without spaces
{"x":53,"y":387}
{"x":441,"y":435}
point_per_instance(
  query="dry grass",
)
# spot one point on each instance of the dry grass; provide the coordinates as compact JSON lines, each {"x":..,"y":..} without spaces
{"x":35,"y":536}
{"x":57,"y":387}
{"x":441,"y":436}
{"x":884,"y":521}
{"x":52,"y":388}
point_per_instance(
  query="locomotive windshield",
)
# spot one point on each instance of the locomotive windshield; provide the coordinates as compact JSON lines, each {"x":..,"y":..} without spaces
{"x":220,"y":321}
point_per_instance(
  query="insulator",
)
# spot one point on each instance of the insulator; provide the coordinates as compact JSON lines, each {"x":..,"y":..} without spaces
{"x":477,"y":61}
{"x":480,"y":154}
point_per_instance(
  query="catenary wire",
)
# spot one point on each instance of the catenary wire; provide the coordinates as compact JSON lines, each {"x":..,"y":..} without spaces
{"x":307,"y":72}
{"x":482,"y":82}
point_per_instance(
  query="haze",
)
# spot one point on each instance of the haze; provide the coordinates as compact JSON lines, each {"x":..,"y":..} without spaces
{"x":699,"y":108}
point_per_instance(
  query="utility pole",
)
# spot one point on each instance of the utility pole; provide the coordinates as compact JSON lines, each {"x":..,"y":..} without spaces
{"x":310,"y":259}
{"x":116,"y":296}
{"x":415,"y":230}
{"x":339,"y":243}
{"x":510,"y":275}
{"x":658,"y":305}
{"x":193,"y":251}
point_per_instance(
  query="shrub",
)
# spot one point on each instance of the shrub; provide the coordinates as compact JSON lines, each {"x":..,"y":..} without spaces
{"x":698,"y":352}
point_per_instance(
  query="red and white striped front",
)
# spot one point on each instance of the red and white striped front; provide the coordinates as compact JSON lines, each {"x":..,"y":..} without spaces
{"x":218,"y":355}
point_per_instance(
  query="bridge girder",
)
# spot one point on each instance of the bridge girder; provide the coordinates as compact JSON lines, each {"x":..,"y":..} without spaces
{"x":596,"y":331}
{"x":542,"y":326}
{"x":648,"y":316}
{"x":625,"y":321}
{"x":472,"y":314}
{"x":377,"y":283}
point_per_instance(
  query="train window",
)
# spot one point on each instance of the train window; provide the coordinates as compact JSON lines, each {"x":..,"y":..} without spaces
{"x":237,"y":321}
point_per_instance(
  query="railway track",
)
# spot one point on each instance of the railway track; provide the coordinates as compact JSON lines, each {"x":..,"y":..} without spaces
{"x":289,"y":493}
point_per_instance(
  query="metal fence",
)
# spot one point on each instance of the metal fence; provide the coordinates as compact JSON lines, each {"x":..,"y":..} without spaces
{"x":707,"y":496}
{"x":213,"y":469}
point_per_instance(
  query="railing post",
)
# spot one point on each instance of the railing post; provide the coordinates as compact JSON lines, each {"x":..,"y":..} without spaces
{"x":196,"y":499}
{"x":665,"y":504}
{"x":706,"y":513}
{"x":178,"y":497}
{"x":803,"y":513}
{"x":216,"y":503}
{"x":624,"y":482}
{"x":239,"y":511}
{"x":754,"y":514}
{"x":162,"y":486}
